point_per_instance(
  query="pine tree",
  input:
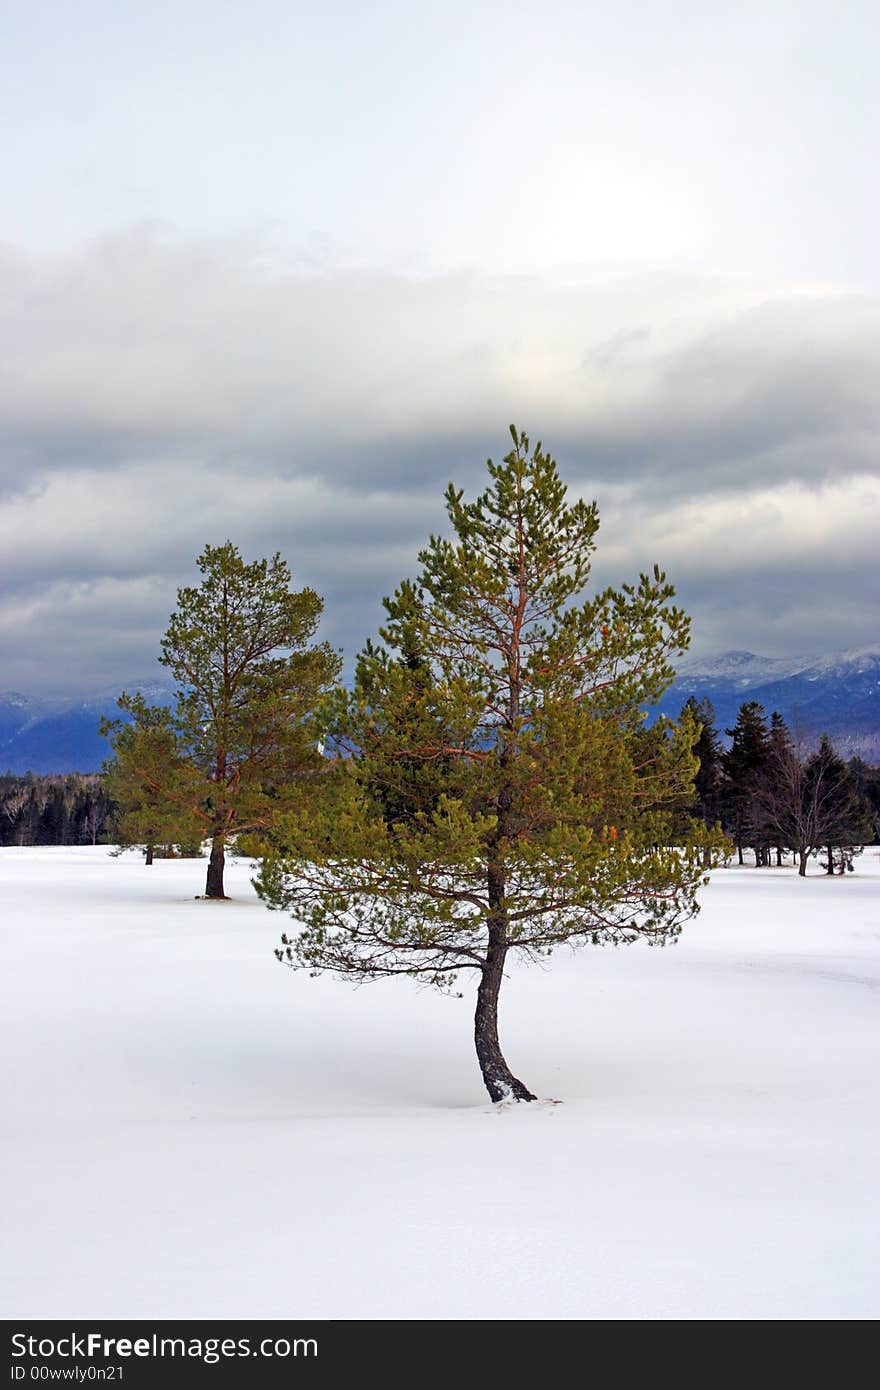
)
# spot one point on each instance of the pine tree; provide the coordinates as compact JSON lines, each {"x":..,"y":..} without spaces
{"x":149,"y":781}
{"x":709,"y":779}
{"x":866,"y":780}
{"x":243,"y":740}
{"x":495,"y":791}
{"x":780,"y":751}
{"x":745,"y":764}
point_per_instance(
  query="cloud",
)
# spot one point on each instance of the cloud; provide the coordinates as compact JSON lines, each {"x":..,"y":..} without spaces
{"x":156,"y":394}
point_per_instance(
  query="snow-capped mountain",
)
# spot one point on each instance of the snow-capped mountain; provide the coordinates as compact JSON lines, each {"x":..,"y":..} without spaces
{"x":837,"y":694}
{"x":743,"y":670}
{"x":738,"y":670}
{"x":858,"y":661}
{"x":61,"y":734}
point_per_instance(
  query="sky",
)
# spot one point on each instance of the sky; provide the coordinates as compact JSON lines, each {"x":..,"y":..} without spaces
{"x":278,"y":272}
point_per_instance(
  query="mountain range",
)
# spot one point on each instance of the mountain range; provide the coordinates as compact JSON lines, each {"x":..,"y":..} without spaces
{"x":837,"y":694}
{"x":61,"y":734}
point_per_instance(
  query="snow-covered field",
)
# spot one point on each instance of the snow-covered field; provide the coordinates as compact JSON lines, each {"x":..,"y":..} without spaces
{"x":192,"y":1130}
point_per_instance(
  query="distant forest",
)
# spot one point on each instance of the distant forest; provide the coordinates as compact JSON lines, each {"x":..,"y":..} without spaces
{"x":73,"y":809}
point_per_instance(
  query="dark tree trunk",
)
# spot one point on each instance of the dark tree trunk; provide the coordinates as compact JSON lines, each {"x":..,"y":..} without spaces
{"x":739,"y":850}
{"x":499,"y":1080}
{"x":779,"y":856}
{"x":802,"y":863}
{"x":214,"y":885}
{"x":830,"y":869}
{"x":148,"y":854}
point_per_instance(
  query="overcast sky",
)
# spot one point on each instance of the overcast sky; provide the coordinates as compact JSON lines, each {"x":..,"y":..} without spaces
{"x":279,"y":271}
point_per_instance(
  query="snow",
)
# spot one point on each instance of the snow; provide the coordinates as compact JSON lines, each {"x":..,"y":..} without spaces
{"x":854,"y":661}
{"x":741,"y":668}
{"x":191,"y":1130}
{"x":746,"y":671}
{"x":15,"y":699}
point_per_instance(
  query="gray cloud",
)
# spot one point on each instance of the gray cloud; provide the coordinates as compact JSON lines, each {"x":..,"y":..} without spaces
{"x":156,"y":394}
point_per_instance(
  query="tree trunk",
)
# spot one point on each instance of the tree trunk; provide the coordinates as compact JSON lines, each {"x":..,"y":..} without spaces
{"x":499,"y":1080}
{"x":779,"y":856}
{"x":214,"y":885}
{"x":830,"y":869}
{"x":802,"y":863}
{"x":148,"y":854}
{"x":739,"y":850}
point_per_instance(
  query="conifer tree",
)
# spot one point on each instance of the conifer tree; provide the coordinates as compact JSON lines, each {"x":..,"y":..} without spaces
{"x":780,"y":750}
{"x":866,"y":780}
{"x":745,"y":764}
{"x":149,"y":780}
{"x":242,"y":733}
{"x":779,"y":738}
{"x":708,"y":782}
{"x":495,"y":792}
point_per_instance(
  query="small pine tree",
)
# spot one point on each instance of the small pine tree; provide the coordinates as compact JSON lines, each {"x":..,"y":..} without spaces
{"x":495,"y":792}
{"x":241,"y":740}
{"x":149,"y":781}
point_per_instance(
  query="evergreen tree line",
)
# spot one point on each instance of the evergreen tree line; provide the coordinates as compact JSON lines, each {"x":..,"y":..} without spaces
{"x":74,"y":809}
{"x":773,"y":800}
